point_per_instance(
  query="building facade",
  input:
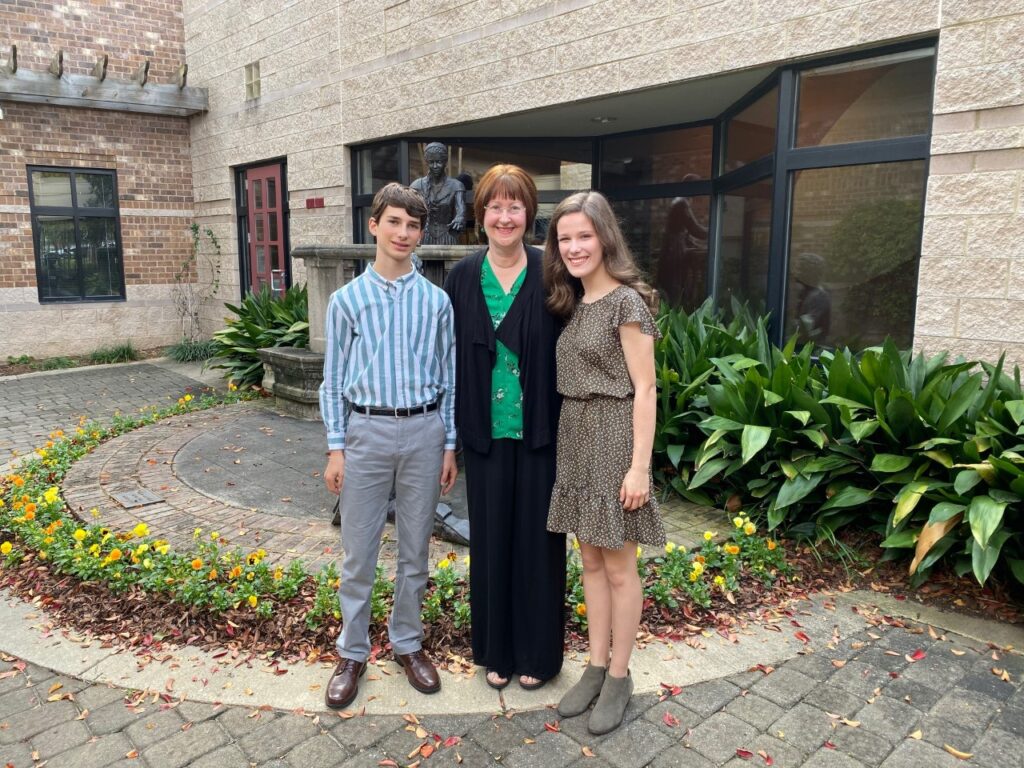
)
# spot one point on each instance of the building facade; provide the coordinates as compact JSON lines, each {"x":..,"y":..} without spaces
{"x":853,"y":167}
{"x":95,"y":175}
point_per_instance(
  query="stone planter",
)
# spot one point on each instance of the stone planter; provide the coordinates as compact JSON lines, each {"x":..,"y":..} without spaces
{"x":293,"y":375}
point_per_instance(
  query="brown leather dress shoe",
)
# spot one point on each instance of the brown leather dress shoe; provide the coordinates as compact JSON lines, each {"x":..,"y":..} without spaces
{"x":420,"y":670}
{"x":344,"y":683}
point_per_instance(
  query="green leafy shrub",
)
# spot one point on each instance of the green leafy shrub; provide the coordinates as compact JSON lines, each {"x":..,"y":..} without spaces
{"x":56,"y":363}
{"x":262,"y":320}
{"x":117,"y":353}
{"x":196,"y":351}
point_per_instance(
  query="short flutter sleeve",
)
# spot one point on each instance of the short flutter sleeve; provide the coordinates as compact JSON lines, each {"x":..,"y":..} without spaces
{"x":632,"y":309}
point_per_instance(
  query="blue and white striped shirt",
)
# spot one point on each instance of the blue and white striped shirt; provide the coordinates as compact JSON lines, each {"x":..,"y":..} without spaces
{"x":390,"y":344}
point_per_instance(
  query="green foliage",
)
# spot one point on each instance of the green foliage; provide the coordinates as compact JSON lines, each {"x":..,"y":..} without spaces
{"x":20,"y":360}
{"x":55,"y":363}
{"x":928,"y":452}
{"x":186,"y":351}
{"x":117,"y":353}
{"x":261,"y":320}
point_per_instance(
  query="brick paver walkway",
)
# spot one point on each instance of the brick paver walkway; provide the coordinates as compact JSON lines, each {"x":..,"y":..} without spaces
{"x":863,"y":702}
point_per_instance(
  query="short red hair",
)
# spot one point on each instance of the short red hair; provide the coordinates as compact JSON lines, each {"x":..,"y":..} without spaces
{"x":509,"y":181}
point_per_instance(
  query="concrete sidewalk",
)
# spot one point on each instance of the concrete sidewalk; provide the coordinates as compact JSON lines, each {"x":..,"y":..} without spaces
{"x":830,"y":682}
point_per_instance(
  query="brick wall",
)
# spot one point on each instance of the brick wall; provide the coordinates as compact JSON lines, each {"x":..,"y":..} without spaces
{"x":150,"y":154}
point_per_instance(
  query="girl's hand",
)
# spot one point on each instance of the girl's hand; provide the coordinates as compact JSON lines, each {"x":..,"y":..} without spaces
{"x":635,"y":490}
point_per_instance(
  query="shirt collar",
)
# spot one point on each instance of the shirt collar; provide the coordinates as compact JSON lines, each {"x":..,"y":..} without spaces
{"x":400,"y":283}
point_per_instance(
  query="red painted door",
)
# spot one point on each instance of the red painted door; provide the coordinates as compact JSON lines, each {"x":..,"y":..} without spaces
{"x":266,"y":227}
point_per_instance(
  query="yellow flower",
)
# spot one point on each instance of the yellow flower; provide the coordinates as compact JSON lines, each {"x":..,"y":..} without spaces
{"x":2,"y":504}
{"x":738,"y":522}
{"x":694,"y":576}
{"x":197,"y":564}
{"x":465,"y":561}
{"x":48,"y":540}
{"x":163,"y":548}
{"x":42,"y":455}
{"x":732,"y":549}
{"x":719,"y":581}
{"x":670,"y":548}
{"x":749,"y":528}
{"x":142,"y":548}
{"x":253,"y":601}
{"x":581,"y":609}
{"x":94,"y":550}
{"x":51,"y":495}
{"x":141,"y":530}
{"x":147,"y":564}
{"x":575,"y":543}
{"x":80,"y":535}
{"x":196,"y":532}
{"x":771,"y":544}
{"x":639,"y":551}
{"x":42,"y":554}
{"x":232,"y":386}
{"x":278,"y":574}
{"x":708,"y":535}
{"x":444,"y":563}
{"x":698,"y":567}
{"x":262,"y":553}
{"x":94,"y":512}
{"x":250,"y":576}
{"x":187,"y":398}
{"x":5,"y":548}
{"x":214,"y":535}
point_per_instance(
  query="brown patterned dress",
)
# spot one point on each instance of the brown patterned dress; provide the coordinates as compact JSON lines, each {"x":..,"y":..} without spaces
{"x":595,"y":431}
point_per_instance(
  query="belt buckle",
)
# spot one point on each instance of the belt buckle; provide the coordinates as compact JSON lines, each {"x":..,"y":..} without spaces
{"x":397,"y":414}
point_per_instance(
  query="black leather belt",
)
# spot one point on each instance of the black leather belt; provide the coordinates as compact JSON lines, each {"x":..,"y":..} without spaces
{"x":398,"y":413}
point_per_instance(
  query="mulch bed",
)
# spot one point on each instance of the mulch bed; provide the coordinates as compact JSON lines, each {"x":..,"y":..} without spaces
{"x":151,"y":624}
{"x":80,"y":361}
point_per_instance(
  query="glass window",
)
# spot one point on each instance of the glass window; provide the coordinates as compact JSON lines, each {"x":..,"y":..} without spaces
{"x":669,"y":239}
{"x":375,"y":167}
{"x":683,"y":154}
{"x":750,"y":135}
{"x":553,"y":165}
{"x":743,"y":249}
{"x":78,"y":252}
{"x":880,"y":98}
{"x":854,"y":245}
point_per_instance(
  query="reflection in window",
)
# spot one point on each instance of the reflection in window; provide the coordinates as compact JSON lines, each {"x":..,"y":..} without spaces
{"x":376,"y":166}
{"x":853,"y":262}
{"x":881,"y":98}
{"x":743,"y":249}
{"x":78,"y":255}
{"x":682,"y":154}
{"x":750,"y":135}
{"x":669,"y":239}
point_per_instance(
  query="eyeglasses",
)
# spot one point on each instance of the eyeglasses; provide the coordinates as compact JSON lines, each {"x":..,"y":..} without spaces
{"x":499,"y":210}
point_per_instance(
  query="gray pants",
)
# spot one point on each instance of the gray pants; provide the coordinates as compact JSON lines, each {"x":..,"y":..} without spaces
{"x":381,"y":453}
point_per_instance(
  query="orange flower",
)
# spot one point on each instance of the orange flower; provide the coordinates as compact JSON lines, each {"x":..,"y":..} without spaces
{"x":732,"y":549}
{"x":197,"y":564}
{"x":30,"y":509}
{"x":771,"y":544}
{"x":18,"y":481}
{"x":115,"y":555}
{"x":212,"y":575}
{"x":30,"y":515}
{"x":236,"y":572}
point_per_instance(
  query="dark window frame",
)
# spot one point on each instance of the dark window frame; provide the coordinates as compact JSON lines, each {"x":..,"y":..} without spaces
{"x":75,"y":212}
{"x":779,"y":166}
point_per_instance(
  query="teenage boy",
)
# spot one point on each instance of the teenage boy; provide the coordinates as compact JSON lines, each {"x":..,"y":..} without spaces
{"x":388,"y":402}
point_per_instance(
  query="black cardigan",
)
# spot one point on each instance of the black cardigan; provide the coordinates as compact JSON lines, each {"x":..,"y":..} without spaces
{"x":528,"y":330}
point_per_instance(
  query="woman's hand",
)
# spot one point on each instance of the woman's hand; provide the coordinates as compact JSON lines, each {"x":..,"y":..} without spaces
{"x":635,"y":490}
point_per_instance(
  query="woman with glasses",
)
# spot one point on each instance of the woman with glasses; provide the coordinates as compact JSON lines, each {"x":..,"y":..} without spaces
{"x":506,"y":410}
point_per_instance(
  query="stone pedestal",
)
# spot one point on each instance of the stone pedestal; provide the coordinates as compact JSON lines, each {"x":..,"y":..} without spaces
{"x":328,"y":267}
{"x":293,"y":375}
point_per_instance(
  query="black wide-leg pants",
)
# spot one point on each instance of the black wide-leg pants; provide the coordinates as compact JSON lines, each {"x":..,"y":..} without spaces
{"x":516,"y":568}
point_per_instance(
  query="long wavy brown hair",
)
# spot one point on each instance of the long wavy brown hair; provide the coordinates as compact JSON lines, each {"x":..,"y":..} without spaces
{"x":564,"y":290}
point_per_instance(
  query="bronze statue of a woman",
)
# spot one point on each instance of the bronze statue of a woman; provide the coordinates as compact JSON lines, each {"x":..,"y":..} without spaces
{"x":445,"y":196}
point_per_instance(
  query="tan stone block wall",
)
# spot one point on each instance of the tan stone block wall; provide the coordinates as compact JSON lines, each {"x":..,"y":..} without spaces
{"x":147,"y":319}
{"x":297,"y":117}
{"x":971,"y":284}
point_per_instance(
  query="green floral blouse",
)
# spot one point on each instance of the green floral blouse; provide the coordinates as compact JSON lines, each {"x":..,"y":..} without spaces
{"x":506,"y":391}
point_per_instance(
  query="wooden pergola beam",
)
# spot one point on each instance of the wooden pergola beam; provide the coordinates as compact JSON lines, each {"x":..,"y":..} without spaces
{"x":93,"y":93}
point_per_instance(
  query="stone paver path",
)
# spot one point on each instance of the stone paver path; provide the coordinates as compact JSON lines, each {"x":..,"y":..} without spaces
{"x":33,"y":405}
{"x":863,"y":702}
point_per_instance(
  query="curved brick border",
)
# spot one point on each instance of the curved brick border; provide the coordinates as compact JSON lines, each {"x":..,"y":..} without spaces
{"x":144,"y":458}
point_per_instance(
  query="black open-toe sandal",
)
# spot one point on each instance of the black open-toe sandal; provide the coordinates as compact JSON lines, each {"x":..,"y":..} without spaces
{"x":497,"y":686}
{"x":531,"y":686}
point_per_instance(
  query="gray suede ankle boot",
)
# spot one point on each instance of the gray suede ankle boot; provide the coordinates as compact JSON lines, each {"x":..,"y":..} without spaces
{"x":611,"y":704}
{"x":579,"y":697}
